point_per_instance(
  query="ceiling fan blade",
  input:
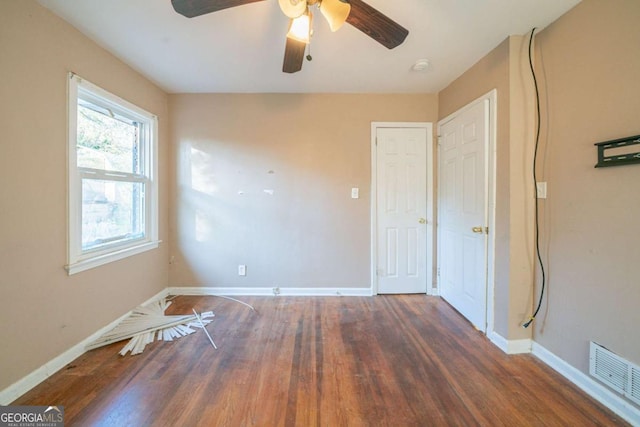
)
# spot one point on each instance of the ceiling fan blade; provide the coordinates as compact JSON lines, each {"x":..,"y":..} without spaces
{"x":293,"y":56}
{"x":376,"y":25}
{"x":193,"y":8}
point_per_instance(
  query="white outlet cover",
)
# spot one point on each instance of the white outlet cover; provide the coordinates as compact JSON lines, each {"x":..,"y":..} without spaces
{"x":355,"y":193}
{"x":541,"y":190}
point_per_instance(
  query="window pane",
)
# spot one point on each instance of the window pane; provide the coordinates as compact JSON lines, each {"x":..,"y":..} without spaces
{"x":112,"y":211}
{"x":106,"y":143}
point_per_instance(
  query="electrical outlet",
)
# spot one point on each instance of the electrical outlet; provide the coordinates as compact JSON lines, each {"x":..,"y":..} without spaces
{"x":355,"y":193}
{"x":541,"y":190}
{"x":242,"y":270}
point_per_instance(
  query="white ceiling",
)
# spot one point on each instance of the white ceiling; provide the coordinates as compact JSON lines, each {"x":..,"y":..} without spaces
{"x":241,"y":49}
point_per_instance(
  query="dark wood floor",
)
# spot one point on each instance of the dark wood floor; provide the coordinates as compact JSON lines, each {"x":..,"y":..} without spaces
{"x":337,"y":361}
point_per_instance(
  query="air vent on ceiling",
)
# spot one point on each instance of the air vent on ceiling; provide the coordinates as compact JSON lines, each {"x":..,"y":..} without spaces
{"x":616,"y":372}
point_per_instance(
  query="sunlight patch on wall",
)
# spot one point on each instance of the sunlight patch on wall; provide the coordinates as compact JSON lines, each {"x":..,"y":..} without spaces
{"x":200,"y":166}
{"x":203,"y":226}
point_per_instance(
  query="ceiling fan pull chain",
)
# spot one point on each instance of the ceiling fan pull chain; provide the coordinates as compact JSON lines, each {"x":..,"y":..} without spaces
{"x":309,"y":57}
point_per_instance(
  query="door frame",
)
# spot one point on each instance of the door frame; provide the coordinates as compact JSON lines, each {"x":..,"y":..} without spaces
{"x":430,"y":167}
{"x":490,"y":197}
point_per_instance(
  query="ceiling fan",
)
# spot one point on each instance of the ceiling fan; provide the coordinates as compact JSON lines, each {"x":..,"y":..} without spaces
{"x":355,"y":12}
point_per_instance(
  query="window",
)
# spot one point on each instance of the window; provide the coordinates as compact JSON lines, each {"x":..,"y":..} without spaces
{"x":112,"y":185}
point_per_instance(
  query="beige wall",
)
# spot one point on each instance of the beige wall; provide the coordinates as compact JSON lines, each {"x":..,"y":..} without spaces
{"x":310,"y":150}
{"x":45,"y":311}
{"x":589,"y":63}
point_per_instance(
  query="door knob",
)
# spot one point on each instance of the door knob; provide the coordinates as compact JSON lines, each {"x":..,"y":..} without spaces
{"x":422,"y":221}
{"x":479,"y":230}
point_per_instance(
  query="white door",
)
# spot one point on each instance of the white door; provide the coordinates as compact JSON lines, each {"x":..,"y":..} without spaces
{"x":401,"y":195}
{"x":462,"y":214}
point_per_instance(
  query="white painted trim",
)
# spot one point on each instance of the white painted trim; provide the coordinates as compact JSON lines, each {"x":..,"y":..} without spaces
{"x":522,"y":346}
{"x":28,"y":382}
{"x":491,"y":260}
{"x":197,"y":290}
{"x":431,"y":219}
{"x":430,"y":167}
{"x":510,"y":346}
{"x":492,"y":98}
{"x":373,"y":263}
{"x":498,"y":340}
{"x":77,"y":259}
{"x":97,"y":261}
{"x":602,"y":394}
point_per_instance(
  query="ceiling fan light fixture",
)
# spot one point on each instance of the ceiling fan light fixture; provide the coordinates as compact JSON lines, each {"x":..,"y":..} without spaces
{"x":293,"y":8}
{"x":336,"y":12}
{"x":300,"y":28}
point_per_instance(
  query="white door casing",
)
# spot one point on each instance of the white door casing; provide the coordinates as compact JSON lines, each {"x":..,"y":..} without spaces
{"x":463,"y":220}
{"x":401,"y":219}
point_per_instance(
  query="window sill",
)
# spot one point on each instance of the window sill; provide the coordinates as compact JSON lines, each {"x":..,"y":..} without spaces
{"x":97,"y":261}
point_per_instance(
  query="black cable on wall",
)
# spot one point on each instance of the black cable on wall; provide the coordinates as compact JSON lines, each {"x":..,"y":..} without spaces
{"x":535,"y":184}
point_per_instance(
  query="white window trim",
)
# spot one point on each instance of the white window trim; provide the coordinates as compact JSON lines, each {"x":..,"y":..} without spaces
{"x":78,"y":261}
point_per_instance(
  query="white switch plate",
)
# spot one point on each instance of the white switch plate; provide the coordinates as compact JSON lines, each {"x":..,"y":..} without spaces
{"x":355,"y":193}
{"x":242,"y":270}
{"x":541,"y":190}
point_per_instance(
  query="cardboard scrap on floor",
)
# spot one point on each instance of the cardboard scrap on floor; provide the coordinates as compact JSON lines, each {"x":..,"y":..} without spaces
{"x":147,"y":324}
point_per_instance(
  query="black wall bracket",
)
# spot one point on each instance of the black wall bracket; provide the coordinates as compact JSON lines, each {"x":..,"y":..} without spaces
{"x":618,"y":157}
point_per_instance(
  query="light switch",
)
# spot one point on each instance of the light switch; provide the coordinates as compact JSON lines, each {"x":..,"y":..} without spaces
{"x":541,"y":189}
{"x":355,"y":193}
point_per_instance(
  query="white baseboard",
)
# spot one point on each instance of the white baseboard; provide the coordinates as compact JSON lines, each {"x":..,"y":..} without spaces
{"x":324,"y":292}
{"x":25,"y":384}
{"x":510,"y":346}
{"x":602,"y":394}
